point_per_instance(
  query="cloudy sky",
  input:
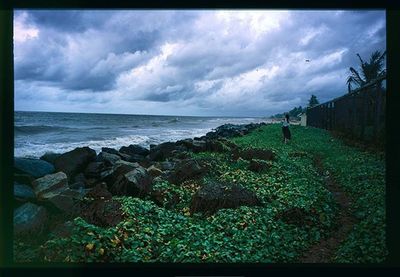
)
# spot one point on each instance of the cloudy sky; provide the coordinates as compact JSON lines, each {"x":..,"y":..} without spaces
{"x":206,"y":62}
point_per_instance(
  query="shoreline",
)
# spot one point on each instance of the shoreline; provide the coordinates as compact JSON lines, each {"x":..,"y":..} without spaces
{"x":142,"y":139}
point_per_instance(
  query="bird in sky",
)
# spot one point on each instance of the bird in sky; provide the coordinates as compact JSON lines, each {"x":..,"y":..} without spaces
{"x":307,"y":61}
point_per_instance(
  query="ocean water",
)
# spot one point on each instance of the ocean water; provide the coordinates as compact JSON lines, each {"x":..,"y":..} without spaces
{"x":36,"y":133}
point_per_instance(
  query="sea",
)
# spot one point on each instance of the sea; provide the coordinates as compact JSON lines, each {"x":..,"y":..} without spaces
{"x":36,"y":133}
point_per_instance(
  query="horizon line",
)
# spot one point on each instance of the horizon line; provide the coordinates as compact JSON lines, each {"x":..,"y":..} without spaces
{"x":227,"y":116}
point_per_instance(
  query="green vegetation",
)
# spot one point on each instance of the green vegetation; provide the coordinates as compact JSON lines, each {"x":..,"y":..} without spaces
{"x":313,"y":101}
{"x":369,"y":70}
{"x":293,"y":113}
{"x":169,"y":233}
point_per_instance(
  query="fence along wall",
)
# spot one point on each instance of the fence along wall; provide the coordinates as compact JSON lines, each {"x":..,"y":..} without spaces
{"x":360,"y":114}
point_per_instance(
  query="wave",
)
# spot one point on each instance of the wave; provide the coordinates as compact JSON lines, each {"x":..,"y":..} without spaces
{"x":37,"y":129}
{"x":36,"y":150}
{"x":174,"y":120}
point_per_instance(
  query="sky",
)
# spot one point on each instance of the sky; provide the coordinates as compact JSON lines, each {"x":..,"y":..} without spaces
{"x":187,"y":62}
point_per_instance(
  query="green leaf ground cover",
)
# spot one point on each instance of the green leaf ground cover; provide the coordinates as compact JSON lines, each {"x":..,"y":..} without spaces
{"x":152,"y":233}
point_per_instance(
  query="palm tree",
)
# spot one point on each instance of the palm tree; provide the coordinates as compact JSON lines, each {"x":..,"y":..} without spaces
{"x":370,"y":70}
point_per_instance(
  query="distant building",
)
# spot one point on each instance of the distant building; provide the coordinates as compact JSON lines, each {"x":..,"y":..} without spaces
{"x":303,"y":119}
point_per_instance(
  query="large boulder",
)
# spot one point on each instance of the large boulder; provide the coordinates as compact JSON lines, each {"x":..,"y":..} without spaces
{"x":214,"y":196}
{"x":78,"y":182}
{"x":53,"y":191}
{"x":161,"y":151}
{"x":50,"y":183}
{"x":110,"y":150}
{"x":50,"y":157}
{"x":23,"y":179}
{"x":23,"y":193}
{"x":134,"y":149}
{"x":186,"y":169}
{"x":75,"y":161}
{"x":232,"y":130}
{"x":154,"y":171}
{"x":64,"y":200}
{"x":94,"y":169}
{"x":218,"y":146}
{"x":136,"y":182}
{"x":115,"y":173}
{"x":100,"y":191}
{"x":103,"y":213}
{"x":34,"y":167}
{"x":63,"y":230}
{"x":166,"y":165}
{"x":195,"y":146}
{"x":99,"y":208}
{"x":107,"y":158}
{"x":29,"y":220}
{"x":259,"y":166}
{"x":254,"y":153}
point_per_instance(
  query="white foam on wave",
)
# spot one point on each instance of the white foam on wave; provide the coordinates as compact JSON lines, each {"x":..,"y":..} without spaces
{"x":36,"y":150}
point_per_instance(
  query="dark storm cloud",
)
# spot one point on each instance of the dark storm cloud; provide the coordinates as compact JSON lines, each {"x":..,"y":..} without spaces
{"x":66,"y":21}
{"x":218,"y":62}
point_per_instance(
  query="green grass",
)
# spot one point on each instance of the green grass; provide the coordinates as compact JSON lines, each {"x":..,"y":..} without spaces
{"x":248,"y":234}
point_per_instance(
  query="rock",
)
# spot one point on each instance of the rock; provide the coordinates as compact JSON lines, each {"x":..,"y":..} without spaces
{"x":103,"y":213}
{"x":23,"y":193}
{"x":186,"y":169}
{"x":214,"y":196}
{"x":54,"y":192}
{"x":167,"y":165}
{"x":254,"y":153}
{"x":259,"y":165}
{"x":29,"y":220}
{"x":136,"y":182}
{"x":231,"y":130}
{"x":79,"y":182}
{"x":115,"y":174}
{"x":63,"y":230}
{"x":134,"y":149}
{"x":94,"y":169}
{"x":34,"y":167}
{"x":135,"y":158}
{"x":100,"y":191}
{"x":24,"y":179}
{"x":75,"y":161}
{"x":195,"y":146}
{"x":125,"y":157}
{"x":50,"y":183}
{"x":110,"y":151}
{"x":107,"y":158}
{"x":64,"y":200}
{"x":50,"y":157}
{"x":217,"y":146}
{"x":186,"y":142}
{"x":198,"y":146}
{"x":154,"y":171}
{"x":161,"y":151}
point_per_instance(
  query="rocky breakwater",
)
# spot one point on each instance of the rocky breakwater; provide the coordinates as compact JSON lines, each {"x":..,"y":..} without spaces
{"x":52,"y":190}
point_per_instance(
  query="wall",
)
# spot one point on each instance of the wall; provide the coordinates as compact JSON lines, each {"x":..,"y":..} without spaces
{"x":359,"y":115}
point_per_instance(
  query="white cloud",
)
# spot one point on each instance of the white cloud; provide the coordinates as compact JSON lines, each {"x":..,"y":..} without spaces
{"x":247,"y":62}
{"x":22,"y":30}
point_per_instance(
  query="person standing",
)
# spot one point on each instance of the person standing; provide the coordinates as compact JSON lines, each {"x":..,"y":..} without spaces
{"x":285,"y":129}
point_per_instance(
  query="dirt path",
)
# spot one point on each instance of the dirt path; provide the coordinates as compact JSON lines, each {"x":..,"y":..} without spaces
{"x":324,"y":250}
